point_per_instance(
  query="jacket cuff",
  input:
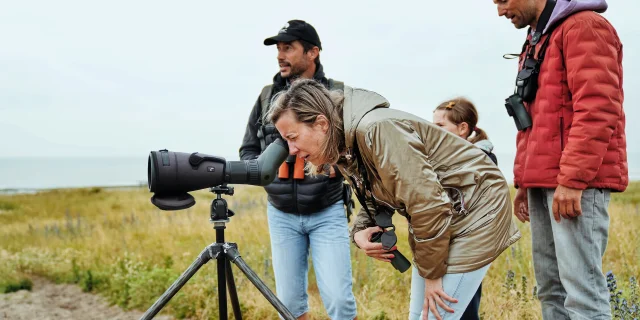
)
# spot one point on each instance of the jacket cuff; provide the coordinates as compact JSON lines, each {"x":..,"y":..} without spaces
{"x":432,"y":273}
{"x":572,"y":183}
{"x":361,"y":222}
{"x":431,"y":262}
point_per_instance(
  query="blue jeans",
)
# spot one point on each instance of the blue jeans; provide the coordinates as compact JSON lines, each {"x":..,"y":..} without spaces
{"x":326,"y":234}
{"x":472,"y":312}
{"x":461,"y":286}
{"x":567,"y":256}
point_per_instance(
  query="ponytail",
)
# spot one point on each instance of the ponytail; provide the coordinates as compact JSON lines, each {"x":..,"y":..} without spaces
{"x":477,"y":135}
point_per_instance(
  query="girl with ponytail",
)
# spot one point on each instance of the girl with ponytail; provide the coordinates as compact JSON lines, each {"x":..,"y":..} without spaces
{"x":459,"y":116}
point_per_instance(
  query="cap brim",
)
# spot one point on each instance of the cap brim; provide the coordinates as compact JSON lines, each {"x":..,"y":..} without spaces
{"x":279,"y":38}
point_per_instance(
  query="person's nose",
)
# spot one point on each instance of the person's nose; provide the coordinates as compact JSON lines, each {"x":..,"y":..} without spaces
{"x":501,"y":11}
{"x":280,"y":55}
{"x":293,"y":149}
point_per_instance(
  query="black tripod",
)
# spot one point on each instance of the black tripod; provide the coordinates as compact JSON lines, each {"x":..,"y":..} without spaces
{"x":224,"y":253}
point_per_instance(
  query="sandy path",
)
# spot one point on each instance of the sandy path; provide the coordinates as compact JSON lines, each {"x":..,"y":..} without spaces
{"x":49,"y":301}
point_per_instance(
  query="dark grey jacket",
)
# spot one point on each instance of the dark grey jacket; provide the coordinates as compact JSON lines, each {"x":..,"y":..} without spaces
{"x":290,"y":195}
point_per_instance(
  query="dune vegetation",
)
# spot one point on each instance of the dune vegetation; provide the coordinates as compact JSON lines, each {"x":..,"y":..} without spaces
{"x":115,"y":243}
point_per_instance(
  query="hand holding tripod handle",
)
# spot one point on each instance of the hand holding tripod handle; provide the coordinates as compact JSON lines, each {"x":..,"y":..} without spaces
{"x":399,"y":261}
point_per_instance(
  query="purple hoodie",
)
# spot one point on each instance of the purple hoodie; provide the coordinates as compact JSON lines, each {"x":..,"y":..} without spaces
{"x":564,"y":8}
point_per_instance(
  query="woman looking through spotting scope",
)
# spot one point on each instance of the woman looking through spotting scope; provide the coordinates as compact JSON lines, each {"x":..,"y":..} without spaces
{"x":454,"y":197}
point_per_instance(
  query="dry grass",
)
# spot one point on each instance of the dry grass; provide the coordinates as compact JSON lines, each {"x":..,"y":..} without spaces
{"x":116,"y":243}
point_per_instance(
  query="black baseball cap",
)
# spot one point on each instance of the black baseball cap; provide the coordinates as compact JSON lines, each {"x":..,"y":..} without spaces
{"x":295,"y":30}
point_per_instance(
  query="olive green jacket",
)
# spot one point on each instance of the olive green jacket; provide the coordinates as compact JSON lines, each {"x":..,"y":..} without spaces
{"x":455,"y":198}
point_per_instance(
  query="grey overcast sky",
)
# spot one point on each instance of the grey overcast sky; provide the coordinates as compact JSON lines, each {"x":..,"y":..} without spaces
{"x":121,"y":78}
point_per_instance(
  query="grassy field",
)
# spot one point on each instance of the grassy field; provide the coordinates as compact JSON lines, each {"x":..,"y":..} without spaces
{"x":116,"y":243}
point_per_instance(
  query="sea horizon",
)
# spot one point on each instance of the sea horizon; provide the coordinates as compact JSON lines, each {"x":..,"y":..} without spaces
{"x":32,"y":174}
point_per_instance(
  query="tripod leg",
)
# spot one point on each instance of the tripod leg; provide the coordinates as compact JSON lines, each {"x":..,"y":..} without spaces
{"x":203,"y":258}
{"x":233,"y":255}
{"x":233,"y":294}
{"x":222,"y":288}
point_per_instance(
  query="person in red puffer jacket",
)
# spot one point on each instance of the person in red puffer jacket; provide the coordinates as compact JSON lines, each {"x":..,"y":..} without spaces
{"x":574,"y":153}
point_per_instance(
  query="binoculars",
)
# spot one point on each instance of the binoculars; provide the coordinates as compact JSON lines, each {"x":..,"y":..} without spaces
{"x":516,"y":110}
{"x":398,"y":261}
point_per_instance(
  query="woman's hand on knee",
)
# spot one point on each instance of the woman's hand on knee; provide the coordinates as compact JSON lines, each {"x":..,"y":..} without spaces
{"x":373,"y":249}
{"x":433,"y":294}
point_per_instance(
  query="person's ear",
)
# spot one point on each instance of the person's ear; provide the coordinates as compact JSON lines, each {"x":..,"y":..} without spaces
{"x":322,"y":123}
{"x":464,"y":130}
{"x":313,"y":53}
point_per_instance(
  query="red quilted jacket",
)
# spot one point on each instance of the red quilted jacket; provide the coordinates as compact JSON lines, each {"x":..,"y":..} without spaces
{"x":577,"y":138}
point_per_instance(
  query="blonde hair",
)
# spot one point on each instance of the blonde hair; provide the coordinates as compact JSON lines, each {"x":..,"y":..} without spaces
{"x":461,"y":110}
{"x":308,"y":99}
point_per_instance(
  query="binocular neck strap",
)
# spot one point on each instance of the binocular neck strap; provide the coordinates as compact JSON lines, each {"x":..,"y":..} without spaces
{"x":382,"y":218}
{"x":361,"y":189}
{"x":542,"y":21}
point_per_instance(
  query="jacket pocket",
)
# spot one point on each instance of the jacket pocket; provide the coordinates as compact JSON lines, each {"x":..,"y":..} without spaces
{"x":479,"y":224}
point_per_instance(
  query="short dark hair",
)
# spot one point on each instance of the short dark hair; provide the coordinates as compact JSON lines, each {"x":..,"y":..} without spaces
{"x":306,"y":46}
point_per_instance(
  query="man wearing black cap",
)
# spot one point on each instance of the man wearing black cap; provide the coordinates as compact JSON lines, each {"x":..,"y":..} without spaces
{"x":304,"y":212}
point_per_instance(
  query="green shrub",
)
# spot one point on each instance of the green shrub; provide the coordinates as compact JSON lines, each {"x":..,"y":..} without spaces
{"x":7,"y":206}
{"x":23,"y":284}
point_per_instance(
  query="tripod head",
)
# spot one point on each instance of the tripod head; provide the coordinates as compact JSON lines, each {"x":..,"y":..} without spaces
{"x":220,"y":212}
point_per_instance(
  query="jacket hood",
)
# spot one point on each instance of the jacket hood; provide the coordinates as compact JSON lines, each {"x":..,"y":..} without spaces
{"x":565,"y":8}
{"x":357,"y":103}
{"x":485,"y":145}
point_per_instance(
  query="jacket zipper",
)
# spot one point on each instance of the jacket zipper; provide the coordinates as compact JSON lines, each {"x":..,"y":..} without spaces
{"x":295,"y":189}
{"x":561,"y":133}
{"x":463,"y":210}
